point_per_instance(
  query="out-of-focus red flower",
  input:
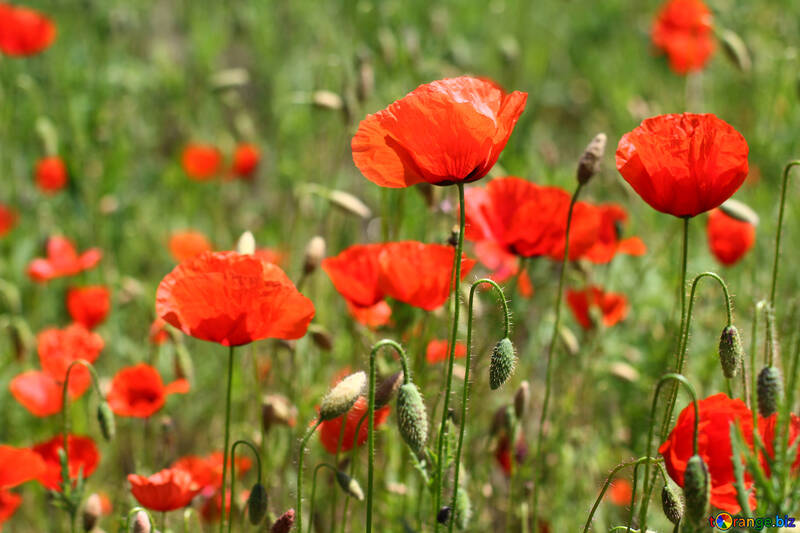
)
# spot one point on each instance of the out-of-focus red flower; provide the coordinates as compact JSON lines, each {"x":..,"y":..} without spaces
{"x":683,"y":164}
{"x":184,"y":245}
{"x":158,"y":332}
{"x":620,"y":492}
{"x":270,"y":255}
{"x":232,"y":299}
{"x":167,"y":490}
{"x":245,"y":160}
{"x":18,"y":465}
{"x":62,"y":260}
{"x":355,"y":273}
{"x":82,"y":456}
{"x":608,"y":242}
{"x":330,"y":429}
{"x":729,"y":238}
{"x":613,"y":306}
{"x":444,"y":132}
{"x":207,"y":471}
{"x":437,"y":351}
{"x":8,"y":219}
{"x":373,"y":316}
{"x":59,"y":348}
{"x":419,"y":274}
{"x":89,"y":305}
{"x":39,"y":392}
{"x":683,"y":30}
{"x":766,"y":427}
{"x":51,"y":174}
{"x":8,"y":505}
{"x":138,"y":391}
{"x":201,"y":162}
{"x":717,"y":412}
{"x":502,"y":452}
{"x":24,"y":31}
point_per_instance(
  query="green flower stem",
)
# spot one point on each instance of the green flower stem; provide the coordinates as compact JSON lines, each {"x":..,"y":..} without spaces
{"x":779,"y":230}
{"x":465,"y":393}
{"x":760,"y":306}
{"x":549,"y":367}
{"x":303,"y":443}
{"x":233,"y":474}
{"x":65,"y":398}
{"x":648,"y":486}
{"x":353,"y":451}
{"x":227,"y":438}
{"x":452,"y":348}
{"x":314,"y":492}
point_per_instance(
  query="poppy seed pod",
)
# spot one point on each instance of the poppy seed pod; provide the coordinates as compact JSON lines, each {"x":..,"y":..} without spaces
{"x":140,"y":523}
{"x":283,"y":524}
{"x":315,"y":253}
{"x":246,"y":245}
{"x":730,"y":351}
{"x":343,"y":396}
{"x":412,"y":420}
{"x":443,"y":515}
{"x":504,"y":359}
{"x":521,"y":399}
{"x":463,"y":509}
{"x":672,"y":501}
{"x":107,"y":422}
{"x":91,"y":512}
{"x":589,"y":163}
{"x":257,"y":503}
{"x":387,"y":388}
{"x":277,"y":409}
{"x":696,"y":489}
{"x":770,"y":390}
{"x":349,"y":485}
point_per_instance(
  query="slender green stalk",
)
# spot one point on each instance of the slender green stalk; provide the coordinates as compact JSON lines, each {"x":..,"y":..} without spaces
{"x":779,"y":230}
{"x":303,"y":443}
{"x":314,"y":491}
{"x":549,"y":367}
{"x":753,"y":374}
{"x":452,"y":349}
{"x":353,"y":451}
{"x":65,"y":399}
{"x":227,"y":438}
{"x":465,"y":392}
{"x":233,"y":474}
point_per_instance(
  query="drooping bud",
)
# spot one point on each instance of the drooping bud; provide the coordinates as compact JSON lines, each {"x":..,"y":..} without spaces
{"x":503,"y":362}
{"x":105,"y":417}
{"x":246,"y":245}
{"x":315,"y":253}
{"x":412,"y":420}
{"x":740,"y":211}
{"x":283,"y":524}
{"x":672,"y":501}
{"x":321,"y":337}
{"x":443,"y":515}
{"x":257,"y":504}
{"x":350,"y":203}
{"x":502,"y":420}
{"x":463,"y":509}
{"x":140,"y":523}
{"x":696,"y":490}
{"x":730,"y":351}
{"x":521,"y":399}
{"x":770,"y":390}
{"x":736,"y":50}
{"x":342,"y":397}
{"x":327,"y":100}
{"x":349,"y":485}
{"x":387,"y":388}
{"x":589,"y":163}
{"x":277,"y":409}
{"x":92,"y":510}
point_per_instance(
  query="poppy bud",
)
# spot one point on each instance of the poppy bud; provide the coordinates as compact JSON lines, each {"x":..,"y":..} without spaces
{"x":740,"y":211}
{"x":672,"y":501}
{"x":105,"y":417}
{"x":321,"y":337}
{"x":503,"y":362}
{"x":736,"y":50}
{"x":443,"y":515}
{"x":366,"y":78}
{"x":589,"y":163}
{"x":730,"y":351}
{"x":277,"y":409}
{"x":696,"y":489}
{"x":92,"y":510}
{"x":342,"y":397}
{"x":350,"y":203}
{"x":412,"y":420}
{"x":463,"y":509}
{"x":502,"y":421}
{"x":387,"y":388}
{"x":315,"y":253}
{"x":327,"y":100}
{"x":521,"y":399}
{"x":770,"y":390}
{"x":349,"y":485}
{"x":257,"y":503}
{"x":140,"y":523}
{"x":246,"y":245}
{"x":284,"y":523}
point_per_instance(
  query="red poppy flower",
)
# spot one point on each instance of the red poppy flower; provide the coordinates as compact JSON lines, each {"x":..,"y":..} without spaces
{"x":447,"y":131}
{"x":355,"y":273}
{"x":40,"y":393}
{"x":58,"y":348}
{"x":158,"y":332}
{"x":184,"y":245}
{"x":207,"y":471}
{"x":373,"y":316}
{"x":8,"y":505}
{"x":685,"y":164}
{"x":24,"y":31}
{"x":717,"y":412}
{"x":201,"y":162}
{"x":245,"y":160}
{"x":766,"y":427}
{"x":82,"y":457}
{"x":683,"y":30}
{"x":62,"y":260}
{"x":167,"y":490}
{"x":613,"y":306}
{"x":608,"y":242}
{"x":729,"y":238}
{"x":8,"y":219}
{"x":18,"y":465}
{"x":437,"y":351}
{"x":270,"y":255}
{"x":139,"y":392}
{"x":232,"y":299}
{"x":51,"y":174}
{"x":330,"y":429}
{"x":419,"y":274}
{"x":89,"y":305}
{"x":620,"y":492}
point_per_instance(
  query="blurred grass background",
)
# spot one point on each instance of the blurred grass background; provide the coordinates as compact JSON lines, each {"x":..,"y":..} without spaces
{"x":127,"y":84}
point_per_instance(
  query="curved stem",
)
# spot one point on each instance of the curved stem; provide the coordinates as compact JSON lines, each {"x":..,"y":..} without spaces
{"x":465,"y":393}
{"x":779,"y":230}
{"x":352,"y":468}
{"x":303,"y":443}
{"x":549,"y":364}
{"x":233,"y":474}
{"x":314,"y":490}
{"x":648,"y":487}
{"x":227,"y":438}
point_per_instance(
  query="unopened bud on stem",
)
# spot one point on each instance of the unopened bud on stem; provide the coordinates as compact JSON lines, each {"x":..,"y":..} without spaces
{"x":589,"y":163}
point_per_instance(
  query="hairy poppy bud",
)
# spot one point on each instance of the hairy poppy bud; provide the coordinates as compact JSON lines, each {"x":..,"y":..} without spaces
{"x":140,"y":523}
{"x":672,"y":501}
{"x":589,"y":163}
{"x":257,"y":503}
{"x":443,"y":515}
{"x":246,"y":245}
{"x":387,"y":388}
{"x":412,"y":420}
{"x":463,"y":509}
{"x":92,"y":510}
{"x":503,"y":362}
{"x":349,"y":485}
{"x":343,"y":396}
{"x":283,"y":524}
{"x":522,"y":398}
{"x":696,"y":489}
{"x":770,"y":390}
{"x":107,"y":422}
{"x":277,"y":409}
{"x":315,"y":253}
{"x":730,"y":351}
